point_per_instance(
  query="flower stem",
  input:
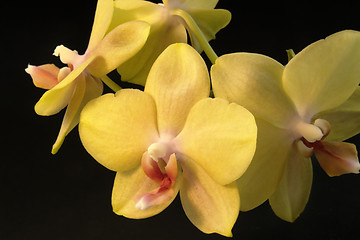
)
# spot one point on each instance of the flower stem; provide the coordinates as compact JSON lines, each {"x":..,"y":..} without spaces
{"x":194,"y":28}
{"x":290,"y":54}
{"x":110,"y":83}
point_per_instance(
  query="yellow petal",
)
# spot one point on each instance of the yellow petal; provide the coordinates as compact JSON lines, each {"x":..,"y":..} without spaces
{"x":102,"y":19}
{"x":128,"y":185}
{"x":265,"y":171}
{"x":117,"y":129}
{"x":220,"y":137}
{"x":162,"y":35}
{"x":118,"y":46}
{"x":324,"y":74}
{"x":55,"y":99}
{"x":177,"y":80}
{"x":211,"y":207}
{"x":292,"y":194}
{"x":191,"y":4}
{"x":344,"y":119}
{"x":165,"y":30}
{"x":253,"y":81}
{"x":86,"y":89}
{"x":210,"y":22}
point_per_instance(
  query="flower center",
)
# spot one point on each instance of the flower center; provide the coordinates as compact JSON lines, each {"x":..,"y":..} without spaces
{"x":312,"y":135}
{"x":160,"y":165}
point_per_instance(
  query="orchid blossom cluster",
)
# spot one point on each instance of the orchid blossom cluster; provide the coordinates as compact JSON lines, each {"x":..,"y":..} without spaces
{"x":251,"y":140}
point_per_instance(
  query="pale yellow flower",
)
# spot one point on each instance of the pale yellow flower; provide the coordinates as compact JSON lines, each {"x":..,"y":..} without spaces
{"x":309,"y":106}
{"x":172,"y":138}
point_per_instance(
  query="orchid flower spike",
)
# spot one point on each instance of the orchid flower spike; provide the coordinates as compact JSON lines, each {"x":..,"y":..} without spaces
{"x":309,"y":106}
{"x":75,"y":85}
{"x":172,"y":138}
{"x":170,"y":23}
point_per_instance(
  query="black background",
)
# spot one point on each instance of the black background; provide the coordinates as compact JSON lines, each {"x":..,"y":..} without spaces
{"x":67,"y":196}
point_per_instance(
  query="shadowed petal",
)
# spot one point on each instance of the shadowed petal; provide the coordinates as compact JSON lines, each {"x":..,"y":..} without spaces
{"x":210,"y":21}
{"x":262,"y":177}
{"x":118,"y":46}
{"x":292,"y":194}
{"x":345,"y":119}
{"x":191,"y":4}
{"x":87,"y":89}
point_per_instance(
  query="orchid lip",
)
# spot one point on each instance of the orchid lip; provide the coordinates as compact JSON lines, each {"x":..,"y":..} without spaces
{"x":160,"y":169}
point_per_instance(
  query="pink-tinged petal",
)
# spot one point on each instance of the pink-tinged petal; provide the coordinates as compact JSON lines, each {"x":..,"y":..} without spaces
{"x":166,"y":180}
{"x":44,"y":76}
{"x":337,"y":158}
{"x":131,"y":186}
{"x":57,"y":98}
{"x":158,"y":197}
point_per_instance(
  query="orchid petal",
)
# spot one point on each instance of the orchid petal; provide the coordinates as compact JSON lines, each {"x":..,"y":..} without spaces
{"x":87,"y":89}
{"x":292,"y":194}
{"x":211,"y":207}
{"x":102,"y":19}
{"x":44,"y":76}
{"x":191,"y":4}
{"x":129,"y":185}
{"x":253,"y":81}
{"x":210,"y":22}
{"x":55,"y":99}
{"x":165,"y":30}
{"x":344,"y":119}
{"x":324,"y":74}
{"x":266,"y":169}
{"x":220,"y":137}
{"x":118,"y":46}
{"x":117,"y":129}
{"x":162,"y":35}
{"x":177,"y":80}
{"x":337,"y":158}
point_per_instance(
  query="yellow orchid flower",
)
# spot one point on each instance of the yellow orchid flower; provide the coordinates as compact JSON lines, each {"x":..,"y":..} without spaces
{"x":169,"y":23}
{"x":295,"y":107}
{"x":75,"y":85}
{"x":172,"y":138}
